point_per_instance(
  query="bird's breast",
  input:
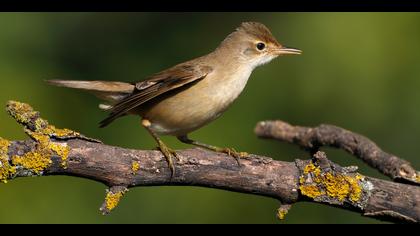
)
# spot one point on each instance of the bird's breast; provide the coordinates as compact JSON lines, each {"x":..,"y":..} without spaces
{"x":197,"y":105}
{"x":226,"y":88}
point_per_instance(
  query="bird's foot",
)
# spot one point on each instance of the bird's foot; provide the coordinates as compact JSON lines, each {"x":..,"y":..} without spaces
{"x":169,"y":155}
{"x":233,"y":153}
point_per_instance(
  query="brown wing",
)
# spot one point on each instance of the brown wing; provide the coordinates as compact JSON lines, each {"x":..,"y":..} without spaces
{"x":156,"y":85}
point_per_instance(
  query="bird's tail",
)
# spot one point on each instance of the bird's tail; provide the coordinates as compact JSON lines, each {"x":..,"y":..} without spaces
{"x":109,"y":91}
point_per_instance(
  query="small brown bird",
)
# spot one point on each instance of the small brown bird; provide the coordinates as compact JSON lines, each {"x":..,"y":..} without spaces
{"x":189,"y":95}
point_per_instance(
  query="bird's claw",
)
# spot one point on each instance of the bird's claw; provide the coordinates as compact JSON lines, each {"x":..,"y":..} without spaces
{"x":169,"y":155}
{"x":233,"y":153}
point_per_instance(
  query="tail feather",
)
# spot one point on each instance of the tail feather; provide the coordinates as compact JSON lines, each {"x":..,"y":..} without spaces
{"x":105,"y":122}
{"x":110,"y":91}
{"x":100,"y":86}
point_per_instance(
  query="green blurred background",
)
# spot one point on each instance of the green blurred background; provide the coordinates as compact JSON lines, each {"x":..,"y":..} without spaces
{"x":360,"y":71}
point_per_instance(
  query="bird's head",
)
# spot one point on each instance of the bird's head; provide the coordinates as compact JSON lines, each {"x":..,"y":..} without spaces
{"x":253,"y":43}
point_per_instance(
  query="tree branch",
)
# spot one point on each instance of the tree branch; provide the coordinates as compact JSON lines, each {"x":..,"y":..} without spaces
{"x":312,"y":139}
{"x":53,"y":151}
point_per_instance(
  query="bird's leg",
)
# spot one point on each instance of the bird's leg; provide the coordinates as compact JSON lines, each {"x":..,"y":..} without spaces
{"x":166,"y":151}
{"x":230,"y":151}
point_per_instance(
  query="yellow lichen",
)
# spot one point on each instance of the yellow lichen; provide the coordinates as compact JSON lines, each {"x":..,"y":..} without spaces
{"x":281,"y":213}
{"x":6,"y":170}
{"x":311,"y":168}
{"x":301,"y":180}
{"x":42,"y":139}
{"x":51,"y":130}
{"x":62,"y":150}
{"x":337,"y":186}
{"x":135,"y":166}
{"x":311,"y":191}
{"x":48,"y":147}
{"x":112,"y":199}
{"x":34,"y":161}
{"x":40,"y":124}
{"x":4,"y":146}
{"x":25,"y":114}
{"x":45,"y":136}
{"x":22,"y":112}
{"x":356,"y":189}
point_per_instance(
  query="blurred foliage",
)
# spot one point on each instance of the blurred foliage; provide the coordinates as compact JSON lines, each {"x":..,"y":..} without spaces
{"x":359,"y":71}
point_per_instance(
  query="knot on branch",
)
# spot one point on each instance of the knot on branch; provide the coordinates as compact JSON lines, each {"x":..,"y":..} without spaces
{"x":324,"y":181}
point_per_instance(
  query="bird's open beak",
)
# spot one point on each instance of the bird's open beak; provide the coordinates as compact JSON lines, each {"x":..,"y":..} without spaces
{"x":285,"y":51}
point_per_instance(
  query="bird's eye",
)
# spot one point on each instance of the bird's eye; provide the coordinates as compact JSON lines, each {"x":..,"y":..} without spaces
{"x":260,"y":46}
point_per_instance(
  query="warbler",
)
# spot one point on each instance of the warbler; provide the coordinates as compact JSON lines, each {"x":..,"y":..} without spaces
{"x":189,"y":95}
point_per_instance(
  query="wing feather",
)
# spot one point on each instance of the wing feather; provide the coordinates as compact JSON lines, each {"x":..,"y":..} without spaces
{"x":155,"y":86}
